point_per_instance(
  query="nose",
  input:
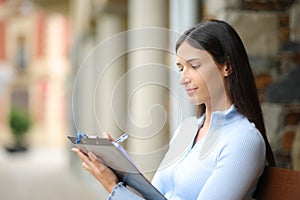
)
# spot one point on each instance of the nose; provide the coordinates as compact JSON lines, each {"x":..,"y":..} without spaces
{"x":184,"y":78}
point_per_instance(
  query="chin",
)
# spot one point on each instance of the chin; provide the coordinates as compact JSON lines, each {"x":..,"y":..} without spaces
{"x":195,"y":102}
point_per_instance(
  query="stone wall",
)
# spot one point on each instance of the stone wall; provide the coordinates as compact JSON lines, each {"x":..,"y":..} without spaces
{"x":295,"y":22}
{"x":272,"y":39}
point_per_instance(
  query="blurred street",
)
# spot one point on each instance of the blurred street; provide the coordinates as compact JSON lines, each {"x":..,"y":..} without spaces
{"x":45,"y":174}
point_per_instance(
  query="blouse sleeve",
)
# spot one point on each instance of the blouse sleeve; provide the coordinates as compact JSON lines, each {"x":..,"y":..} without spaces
{"x":120,"y":192}
{"x":239,"y":165}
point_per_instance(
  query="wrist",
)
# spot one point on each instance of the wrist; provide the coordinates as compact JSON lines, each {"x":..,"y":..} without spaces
{"x":116,"y":186}
{"x":113,"y":186}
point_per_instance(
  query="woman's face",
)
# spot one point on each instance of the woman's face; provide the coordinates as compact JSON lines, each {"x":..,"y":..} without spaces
{"x":202,"y":79}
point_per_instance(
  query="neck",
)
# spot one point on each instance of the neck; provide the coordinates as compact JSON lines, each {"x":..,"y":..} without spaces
{"x":213,"y":107}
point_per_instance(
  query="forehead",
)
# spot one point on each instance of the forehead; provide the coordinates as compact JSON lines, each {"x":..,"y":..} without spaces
{"x":186,"y":52}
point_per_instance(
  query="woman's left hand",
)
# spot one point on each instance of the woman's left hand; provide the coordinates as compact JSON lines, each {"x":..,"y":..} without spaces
{"x":100,"y":171}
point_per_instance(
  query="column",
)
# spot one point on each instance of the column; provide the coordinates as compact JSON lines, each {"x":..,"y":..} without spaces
{"x":180,"y":106}
{"x":110,"y":26}
{"x":81,"y":89}
{"x":147,"y":75}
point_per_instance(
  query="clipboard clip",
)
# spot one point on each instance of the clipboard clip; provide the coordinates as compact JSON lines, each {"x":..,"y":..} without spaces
{"x":79,"y":136}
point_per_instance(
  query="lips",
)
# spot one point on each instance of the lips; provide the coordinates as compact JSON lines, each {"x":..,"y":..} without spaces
{"x":190,"y":91}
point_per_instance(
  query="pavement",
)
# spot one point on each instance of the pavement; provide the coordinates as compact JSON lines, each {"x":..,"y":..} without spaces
{"x":46,"y":174}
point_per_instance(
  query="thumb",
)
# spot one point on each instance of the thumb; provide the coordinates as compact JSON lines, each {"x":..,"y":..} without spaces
{"x":109,"y":137}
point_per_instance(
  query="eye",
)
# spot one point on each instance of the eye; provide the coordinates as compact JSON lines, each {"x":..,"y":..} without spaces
{"x":180,"y":68}
{"x":195,"y":66}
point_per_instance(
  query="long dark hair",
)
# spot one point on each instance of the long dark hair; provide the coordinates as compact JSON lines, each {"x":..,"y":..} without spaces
{"x":224,"y":44}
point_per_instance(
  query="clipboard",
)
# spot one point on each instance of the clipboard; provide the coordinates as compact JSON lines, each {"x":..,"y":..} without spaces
{"x":115,"y":157}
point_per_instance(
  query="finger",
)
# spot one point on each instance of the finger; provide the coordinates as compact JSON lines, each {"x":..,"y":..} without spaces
{"x":82,"y":156}
{"x":85,"y":166}
{"x":92,"y":166}
{"x":74,"y":149}
{"x":92,"y":157}
{"x":109,"y":137}
{"x":98,"y":166}
{"x":90,"y":162}
{"x":78,"y":152}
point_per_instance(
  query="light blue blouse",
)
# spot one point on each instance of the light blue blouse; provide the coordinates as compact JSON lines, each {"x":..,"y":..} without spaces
{"x":226,"y":164}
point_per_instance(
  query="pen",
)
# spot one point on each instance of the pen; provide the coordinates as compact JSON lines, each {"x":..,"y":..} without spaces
{"x":122,"y":138}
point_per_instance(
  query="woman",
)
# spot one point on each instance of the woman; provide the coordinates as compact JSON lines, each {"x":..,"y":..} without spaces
{"x":229,"y":148}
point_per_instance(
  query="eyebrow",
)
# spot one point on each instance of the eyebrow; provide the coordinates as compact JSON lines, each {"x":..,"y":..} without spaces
{"x":192,"y":59}
{"x":188,"y":61}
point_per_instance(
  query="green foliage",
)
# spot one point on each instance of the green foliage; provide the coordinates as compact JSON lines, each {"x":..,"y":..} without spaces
{"x":19,"y":122}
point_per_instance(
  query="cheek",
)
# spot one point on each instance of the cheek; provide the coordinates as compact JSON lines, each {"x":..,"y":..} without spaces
{"x":201,"y":83}
{"x":210,"y":79}
{"x":213,"y":80}
{"x":203,"y":90}
{"x":202,"y":78}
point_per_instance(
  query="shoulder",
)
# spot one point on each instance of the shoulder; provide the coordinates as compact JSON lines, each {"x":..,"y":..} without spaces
{"x":242,"y":136}
{"x":243,"y":128}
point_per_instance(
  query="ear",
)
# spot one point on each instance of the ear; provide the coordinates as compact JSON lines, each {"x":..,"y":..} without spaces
{"x":227,"y":70}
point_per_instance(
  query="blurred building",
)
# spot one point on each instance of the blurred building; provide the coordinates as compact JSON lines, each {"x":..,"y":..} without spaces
{"x":35,"y":52}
